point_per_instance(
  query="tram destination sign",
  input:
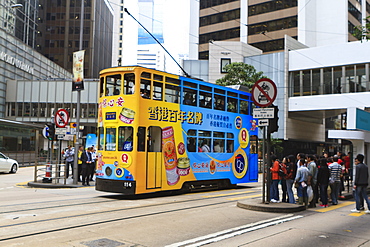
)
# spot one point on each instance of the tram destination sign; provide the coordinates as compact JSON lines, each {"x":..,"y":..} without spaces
{"x":263,"y":112}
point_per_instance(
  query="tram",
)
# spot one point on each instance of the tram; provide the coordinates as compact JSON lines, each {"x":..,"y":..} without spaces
{"x":163,"y":132}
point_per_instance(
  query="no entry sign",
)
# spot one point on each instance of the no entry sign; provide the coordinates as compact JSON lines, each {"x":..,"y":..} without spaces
{"x":61,"y":118}
{"x":264,"y":92}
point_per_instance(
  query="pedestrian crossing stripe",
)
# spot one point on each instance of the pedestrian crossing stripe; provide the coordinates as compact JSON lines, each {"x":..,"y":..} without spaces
{"x":322,"y":210}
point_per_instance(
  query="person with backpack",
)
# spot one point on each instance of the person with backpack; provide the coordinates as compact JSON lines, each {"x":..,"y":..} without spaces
{"x":289,"y":178}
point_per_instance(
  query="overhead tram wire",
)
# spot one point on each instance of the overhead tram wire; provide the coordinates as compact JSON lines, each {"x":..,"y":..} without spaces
{"x":186,"y":74}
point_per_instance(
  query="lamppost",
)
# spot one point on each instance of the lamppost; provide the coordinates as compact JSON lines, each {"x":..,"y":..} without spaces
{"x":77,"y":144}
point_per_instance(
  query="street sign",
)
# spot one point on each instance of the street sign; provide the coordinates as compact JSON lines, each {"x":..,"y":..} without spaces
{"x":60,"y":131}
{"x":61,"y":118}
{"x":264,"y":92}
{"x":263,"y":122}
{"x":263,"y":112}
{"x":45,"y":132}
{"x":60,"y":137}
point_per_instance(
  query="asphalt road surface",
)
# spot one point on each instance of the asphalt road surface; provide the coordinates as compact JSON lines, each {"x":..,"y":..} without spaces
{"x":85,"y":217}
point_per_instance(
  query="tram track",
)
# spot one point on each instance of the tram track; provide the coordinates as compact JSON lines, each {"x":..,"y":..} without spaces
{"x":110,"y":220}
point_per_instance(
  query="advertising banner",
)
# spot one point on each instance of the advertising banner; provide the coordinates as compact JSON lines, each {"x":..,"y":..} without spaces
{"x":78,"y":71}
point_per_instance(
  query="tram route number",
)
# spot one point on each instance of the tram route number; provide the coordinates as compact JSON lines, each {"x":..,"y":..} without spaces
{"x":127,"y":184}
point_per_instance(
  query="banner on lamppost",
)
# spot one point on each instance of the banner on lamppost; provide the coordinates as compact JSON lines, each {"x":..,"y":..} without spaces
{"x":78,"y":71}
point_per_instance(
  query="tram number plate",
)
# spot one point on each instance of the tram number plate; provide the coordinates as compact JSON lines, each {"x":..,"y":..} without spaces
{"x":127,"y":184}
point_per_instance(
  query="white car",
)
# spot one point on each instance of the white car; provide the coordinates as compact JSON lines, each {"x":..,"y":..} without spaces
{"x":7,"y":164}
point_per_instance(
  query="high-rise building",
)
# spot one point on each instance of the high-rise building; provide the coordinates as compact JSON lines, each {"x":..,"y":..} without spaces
{"x":58,"y":34}
{"x":263,"y":23}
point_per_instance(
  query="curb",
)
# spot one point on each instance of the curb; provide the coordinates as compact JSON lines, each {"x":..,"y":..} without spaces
{"x":55,"y":186}
{"x":257,"y":205}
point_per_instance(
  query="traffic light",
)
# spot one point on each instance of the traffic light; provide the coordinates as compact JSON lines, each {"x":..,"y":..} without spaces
{"x":51,"y":131}
{"x":273,"y":122}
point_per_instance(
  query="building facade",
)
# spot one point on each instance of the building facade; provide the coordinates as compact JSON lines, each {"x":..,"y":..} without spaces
{"x":58,"y":33}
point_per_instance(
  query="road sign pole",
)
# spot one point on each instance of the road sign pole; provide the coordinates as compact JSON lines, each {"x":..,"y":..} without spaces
{"x":263,"y":165}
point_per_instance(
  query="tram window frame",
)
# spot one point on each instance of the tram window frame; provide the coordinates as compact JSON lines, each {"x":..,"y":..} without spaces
{"x":172,"y":93}
{"x":141,"y":139}
{"x":217,"y":102}
{"x":192,"y":135}
{"x":157,"y":77}
{"x":230,"y":142}
{"x":113,"y":84}
{"x":244,"y":100}
{"x":144,"y":91}
{"x":146,"y":75}
{"x":101,"y":88}
{"x":154,"y":140}
{"x":157,"y":90}
{"x":192,"y":94}
{"x":101,"y":138}
{"x":218,"y":137}
{"x":112,"y":142}
{"x":204,"y":136}
{"x":232,"y":104}
{"x":173,"y":81}
{"x":129,"y":83}
{"x":205,"y":99}
{"x":125,"y":138}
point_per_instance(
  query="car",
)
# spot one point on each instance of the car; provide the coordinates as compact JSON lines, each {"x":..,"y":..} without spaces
{"x":7,"y":164}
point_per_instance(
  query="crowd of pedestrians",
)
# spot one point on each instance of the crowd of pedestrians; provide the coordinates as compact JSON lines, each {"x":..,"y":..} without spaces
{"x":318,"y":180}
{"x":85,"y":164}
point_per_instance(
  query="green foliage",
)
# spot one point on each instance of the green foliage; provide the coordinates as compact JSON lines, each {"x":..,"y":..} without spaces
{"x":362,"y":32}
{"x":240,"y":74}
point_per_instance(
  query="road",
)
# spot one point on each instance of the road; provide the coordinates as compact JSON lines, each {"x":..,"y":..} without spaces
{"x":85,"y":217}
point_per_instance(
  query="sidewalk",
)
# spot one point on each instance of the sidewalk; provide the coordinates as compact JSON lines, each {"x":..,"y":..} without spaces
{"x":53,"y":185}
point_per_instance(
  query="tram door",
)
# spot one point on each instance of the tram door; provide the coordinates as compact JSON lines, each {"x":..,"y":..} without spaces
{"x":154,"y":157}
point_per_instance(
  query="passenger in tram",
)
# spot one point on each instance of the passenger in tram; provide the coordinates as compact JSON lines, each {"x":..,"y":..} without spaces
{"x":116,"y":91}
{"x":107,"y":92}
{"x":187,"y":99}
{"x":216,"y":147}
{"x":205,"y":147}
{"x":191,"y":145}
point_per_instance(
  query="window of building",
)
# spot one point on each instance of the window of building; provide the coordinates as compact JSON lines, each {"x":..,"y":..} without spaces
{"x":220,"y":35}
{"x":271,"y":6}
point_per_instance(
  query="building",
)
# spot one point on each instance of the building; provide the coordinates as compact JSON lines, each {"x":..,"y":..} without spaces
{"x":58,"y":33}
{"x":263,"y":23}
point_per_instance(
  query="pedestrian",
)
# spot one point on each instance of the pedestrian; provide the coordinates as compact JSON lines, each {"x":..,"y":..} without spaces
{"x":335,"y":173}
{"x":69,"y":155}
{"x":93,"y":154}
{"x":361,"y":183}
{"x":289,"y":179}
{"x":283,"y":174}
{"x":311,"y":165}
{"x":86,"y":159}
{"x":274,"y":191}
{"x":302,"y":179}
{"x":323,"y":175}
{"x":79,"y":162}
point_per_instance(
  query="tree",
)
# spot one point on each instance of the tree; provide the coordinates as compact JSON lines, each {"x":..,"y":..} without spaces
{"x":362,"y":32}
{"x":240,"y":74}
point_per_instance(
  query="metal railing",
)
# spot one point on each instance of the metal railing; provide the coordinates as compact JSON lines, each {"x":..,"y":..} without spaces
{"x":50,"y":172}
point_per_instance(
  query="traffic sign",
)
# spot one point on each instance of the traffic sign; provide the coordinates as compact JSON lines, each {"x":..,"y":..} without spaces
{"x":264,"y":92}
{"x":61,"y":118}
{"x":263,"y":122}
{"x":45,"y":132}
{"x":263,"y":112}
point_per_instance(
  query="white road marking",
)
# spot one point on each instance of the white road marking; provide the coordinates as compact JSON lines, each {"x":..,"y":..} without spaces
{"x":229,"y":233}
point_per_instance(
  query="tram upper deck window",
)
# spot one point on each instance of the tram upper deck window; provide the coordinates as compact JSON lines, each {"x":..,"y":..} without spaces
{"x":205,"y":99}
{"x":145,"y":88}
{"x":244,"y":104}
{"x":113,"y":85}
{"x":190,"y":97}
{"x":101,"y":87}
{"x":129,"y":83}
{"x":172,"y":93}
{"x":110,"y":138}
{"x":157,"y":90}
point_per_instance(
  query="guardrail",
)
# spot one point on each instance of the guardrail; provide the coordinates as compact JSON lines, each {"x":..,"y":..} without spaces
{"x":50,"y":172}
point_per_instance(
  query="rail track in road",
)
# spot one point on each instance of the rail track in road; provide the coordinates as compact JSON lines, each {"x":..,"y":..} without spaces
{"x":73,"y":220}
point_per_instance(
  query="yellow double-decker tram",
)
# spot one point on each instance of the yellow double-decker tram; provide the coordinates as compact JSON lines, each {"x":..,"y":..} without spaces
{"x":159,"y":131}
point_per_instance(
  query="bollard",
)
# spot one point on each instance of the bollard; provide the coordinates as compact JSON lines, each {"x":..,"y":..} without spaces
{"x":47,"y":178}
